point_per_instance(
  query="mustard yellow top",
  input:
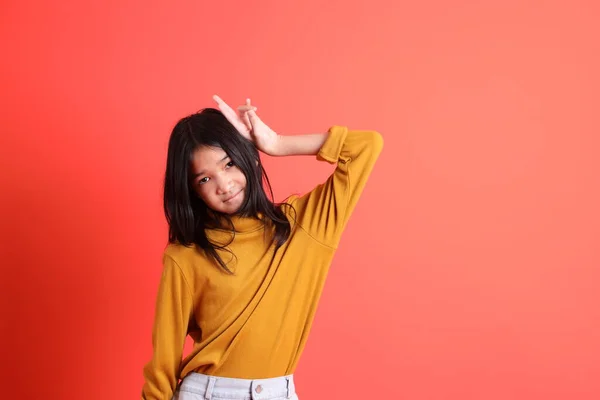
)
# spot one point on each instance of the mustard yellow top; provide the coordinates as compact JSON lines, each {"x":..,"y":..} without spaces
{"x":254,"y":324}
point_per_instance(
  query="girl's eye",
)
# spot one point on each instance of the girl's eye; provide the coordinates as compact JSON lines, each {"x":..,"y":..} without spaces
{"x":229,"y":164}
{"x":203,"y":180}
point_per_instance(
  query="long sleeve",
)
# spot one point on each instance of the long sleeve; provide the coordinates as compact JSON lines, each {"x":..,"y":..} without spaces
{"x":174,"y":307}
{"x":325,"y":211}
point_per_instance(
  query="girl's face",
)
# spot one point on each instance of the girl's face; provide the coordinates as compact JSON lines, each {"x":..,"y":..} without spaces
{"x":216,"y":180}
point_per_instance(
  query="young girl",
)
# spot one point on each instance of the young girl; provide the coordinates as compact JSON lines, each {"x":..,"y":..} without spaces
{"x":243,"y":276}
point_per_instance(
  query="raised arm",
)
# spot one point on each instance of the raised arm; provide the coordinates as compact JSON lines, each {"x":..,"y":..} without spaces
{"x":325,"y":210}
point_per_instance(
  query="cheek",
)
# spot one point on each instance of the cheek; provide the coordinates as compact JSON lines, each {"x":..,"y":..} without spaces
{"x":240,"y":178}
{"x":202,"y":192}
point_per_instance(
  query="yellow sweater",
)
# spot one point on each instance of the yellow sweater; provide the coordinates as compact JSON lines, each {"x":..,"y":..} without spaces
{"x":254,"y":324}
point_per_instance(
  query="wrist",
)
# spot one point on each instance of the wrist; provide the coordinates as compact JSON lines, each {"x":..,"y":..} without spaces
{"x":299,"y":144}
{"x":282,"y":146}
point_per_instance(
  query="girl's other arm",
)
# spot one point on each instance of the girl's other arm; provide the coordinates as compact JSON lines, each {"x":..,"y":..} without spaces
{"x":174,"y":308}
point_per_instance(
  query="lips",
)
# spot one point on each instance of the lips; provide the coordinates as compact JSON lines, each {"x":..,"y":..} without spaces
{"x":232,"y":197}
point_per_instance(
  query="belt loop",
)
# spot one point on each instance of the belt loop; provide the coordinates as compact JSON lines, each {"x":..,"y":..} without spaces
{"x":209,"y":389}
{"x":289,"y":387}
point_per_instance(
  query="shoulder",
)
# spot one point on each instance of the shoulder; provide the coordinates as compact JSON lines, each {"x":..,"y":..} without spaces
{"x":291,"y":207}
{"x":190,"y":260}
{"x":179,"y":253}
{"x":289,"y":201}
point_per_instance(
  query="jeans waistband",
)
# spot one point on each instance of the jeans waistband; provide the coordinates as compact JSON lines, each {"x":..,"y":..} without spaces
{"x":255,"y":389}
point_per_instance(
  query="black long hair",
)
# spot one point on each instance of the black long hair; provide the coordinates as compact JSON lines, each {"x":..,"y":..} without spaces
{"x":187,"y":215}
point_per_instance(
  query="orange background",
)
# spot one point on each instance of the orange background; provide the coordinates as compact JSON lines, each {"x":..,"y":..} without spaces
{"x":471,"y":267}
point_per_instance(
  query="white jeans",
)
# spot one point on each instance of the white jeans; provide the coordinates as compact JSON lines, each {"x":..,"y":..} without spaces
{"x":204,"y":387}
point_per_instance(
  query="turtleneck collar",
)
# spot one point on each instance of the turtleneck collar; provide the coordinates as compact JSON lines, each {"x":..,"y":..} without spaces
{"x":247,"y":224}
{"x":240,"y":225}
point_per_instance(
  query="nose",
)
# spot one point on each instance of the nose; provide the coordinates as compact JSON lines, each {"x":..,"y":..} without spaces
{"x":224,"y":185}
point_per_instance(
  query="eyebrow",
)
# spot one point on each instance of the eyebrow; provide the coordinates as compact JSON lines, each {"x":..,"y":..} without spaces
{"x":202,"y":172}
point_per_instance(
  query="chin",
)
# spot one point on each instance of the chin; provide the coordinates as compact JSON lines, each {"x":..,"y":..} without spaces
{"x":231,"y":210}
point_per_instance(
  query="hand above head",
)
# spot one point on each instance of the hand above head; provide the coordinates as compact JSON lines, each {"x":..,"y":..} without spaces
{"x":249,"y":125}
